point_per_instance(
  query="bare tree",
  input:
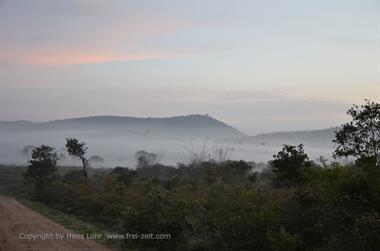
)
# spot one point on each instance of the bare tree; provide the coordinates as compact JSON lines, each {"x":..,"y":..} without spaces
{"x":221,"y":153}
{"x":215,"y":153}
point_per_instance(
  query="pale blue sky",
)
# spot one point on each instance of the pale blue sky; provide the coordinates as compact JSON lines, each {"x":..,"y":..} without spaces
{"x":258,"y":65}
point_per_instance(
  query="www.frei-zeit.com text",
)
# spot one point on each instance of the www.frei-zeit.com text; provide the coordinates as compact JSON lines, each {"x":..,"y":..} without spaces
{"x":94,"y":236}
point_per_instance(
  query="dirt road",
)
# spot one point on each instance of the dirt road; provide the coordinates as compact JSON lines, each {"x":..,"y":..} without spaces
{"x":22,"y":229}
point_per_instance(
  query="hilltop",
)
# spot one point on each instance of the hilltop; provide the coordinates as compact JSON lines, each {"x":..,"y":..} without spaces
{"x":194,"y":125}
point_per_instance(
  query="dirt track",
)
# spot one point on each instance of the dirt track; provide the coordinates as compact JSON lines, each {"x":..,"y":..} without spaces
{"x":18,"y":222}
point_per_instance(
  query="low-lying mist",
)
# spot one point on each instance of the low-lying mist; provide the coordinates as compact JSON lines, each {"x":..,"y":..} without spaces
{"x":119,"y":149}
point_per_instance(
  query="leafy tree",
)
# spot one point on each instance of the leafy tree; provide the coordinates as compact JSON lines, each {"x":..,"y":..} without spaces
{"x":361,"y":136}
{"x":78,"y":149}
{"x":124,"y":174}
{"x":146,"y":159}
{"x":290,"y":165}
{"x":43,"y":168}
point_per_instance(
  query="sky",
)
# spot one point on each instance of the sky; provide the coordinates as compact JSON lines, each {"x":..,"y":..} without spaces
{"x":260,"y":66}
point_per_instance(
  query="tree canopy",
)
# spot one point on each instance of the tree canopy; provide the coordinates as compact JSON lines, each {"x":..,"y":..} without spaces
{"x":361,"y":136}
{"x":290,"y":164}
{"x":42,"y":168}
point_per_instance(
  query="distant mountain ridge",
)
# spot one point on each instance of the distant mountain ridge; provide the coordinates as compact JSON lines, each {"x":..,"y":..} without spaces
{"x":314,"y":137}
{"x":194,"y":125}
{"x":116,"y":138}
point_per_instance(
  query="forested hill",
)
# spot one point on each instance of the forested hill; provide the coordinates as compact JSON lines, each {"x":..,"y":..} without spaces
{"x":191,"y":125}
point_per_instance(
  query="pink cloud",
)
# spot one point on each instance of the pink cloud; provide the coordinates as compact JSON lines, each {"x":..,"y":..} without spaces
{"x":96,"y":44}
{"x":46,"y":58}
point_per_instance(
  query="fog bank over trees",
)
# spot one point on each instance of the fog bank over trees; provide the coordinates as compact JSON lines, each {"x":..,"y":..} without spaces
{"x":176,"y":139}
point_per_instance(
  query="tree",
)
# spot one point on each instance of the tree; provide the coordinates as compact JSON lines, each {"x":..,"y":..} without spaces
{"x":78,"y":149}
{"x":43,"y":168}
{"x":146,"y":159}
{"x":360,"y":137}
{"x":124,"y":174}
{"x":96,"y":159}
{"x":290,"y":164}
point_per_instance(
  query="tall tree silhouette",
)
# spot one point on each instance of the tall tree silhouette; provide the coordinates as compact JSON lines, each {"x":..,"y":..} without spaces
{"x":78,"y":149}
{"x":360,"y":137}
{"x":42,"y":169}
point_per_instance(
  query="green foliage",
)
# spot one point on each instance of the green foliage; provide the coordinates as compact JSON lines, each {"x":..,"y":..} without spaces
{"x":76,"y":148}
{"x":216,"y":207}
{"x":361,"y":136}
{"x":290,"y":165}
{"x":42,"y":170}
{"x":254,"y":177}
{"x":12,"y":181}
{"x":281,"y":240}
{"x":294,"y":205}
{"x":69,"y":221}
{"x":155,"y":212}
{"x":326,"y":212}
{"x":73,"y":177}
{"x":124,"y":175}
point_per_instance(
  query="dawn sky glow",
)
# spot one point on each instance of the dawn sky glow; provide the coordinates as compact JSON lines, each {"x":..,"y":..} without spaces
{"x":260,"y":66}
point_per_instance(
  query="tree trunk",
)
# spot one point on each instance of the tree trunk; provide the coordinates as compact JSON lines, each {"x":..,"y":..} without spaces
{"x":84,"y":163}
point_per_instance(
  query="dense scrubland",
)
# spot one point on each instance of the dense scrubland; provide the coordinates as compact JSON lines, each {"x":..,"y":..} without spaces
{"x":206,"y":204}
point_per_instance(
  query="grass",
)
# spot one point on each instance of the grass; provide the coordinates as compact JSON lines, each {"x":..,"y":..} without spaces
{"x":68,"y":221}
{"x":12,"y":185}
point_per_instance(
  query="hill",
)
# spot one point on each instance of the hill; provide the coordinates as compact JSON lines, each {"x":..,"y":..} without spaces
{"x":322,"y":137}
{"x":180,"y":126}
